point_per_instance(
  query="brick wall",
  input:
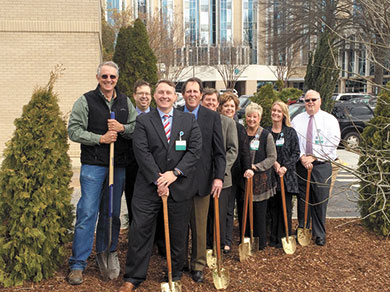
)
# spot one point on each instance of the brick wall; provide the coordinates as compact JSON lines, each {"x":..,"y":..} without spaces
{"x":37,"y":35}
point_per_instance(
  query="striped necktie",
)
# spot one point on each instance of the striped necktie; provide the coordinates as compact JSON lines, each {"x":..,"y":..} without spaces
{"x":167,"y":127}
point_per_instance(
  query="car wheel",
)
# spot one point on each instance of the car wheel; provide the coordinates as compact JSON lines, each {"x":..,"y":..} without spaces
{"x":352,"y":140}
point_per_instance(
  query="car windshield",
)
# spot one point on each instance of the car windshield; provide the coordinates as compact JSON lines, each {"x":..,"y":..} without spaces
{"x":295,"y":109}
{"x":243,"y":100}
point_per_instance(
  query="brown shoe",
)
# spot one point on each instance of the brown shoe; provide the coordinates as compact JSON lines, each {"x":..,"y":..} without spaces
{"x":75,"y":277}
{"x":127,"y":287}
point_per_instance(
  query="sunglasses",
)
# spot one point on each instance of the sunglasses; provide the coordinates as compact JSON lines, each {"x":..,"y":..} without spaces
{"x":311,"y":100}
{"x":105,"y":76}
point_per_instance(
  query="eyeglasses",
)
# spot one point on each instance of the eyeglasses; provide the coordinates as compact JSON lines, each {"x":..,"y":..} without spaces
{"x":311,"y":100}
{"x":105,"y":76}
{"x":142,"y":93}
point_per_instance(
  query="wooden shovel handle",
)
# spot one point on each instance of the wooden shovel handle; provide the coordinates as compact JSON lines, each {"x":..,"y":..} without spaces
{"x":167,"y":241}
{"x":248,"y":188}
{"x":217,"y":233}
{"x":307,"y":195}
{"x":284,"y":206}
{"x":251,"y":212}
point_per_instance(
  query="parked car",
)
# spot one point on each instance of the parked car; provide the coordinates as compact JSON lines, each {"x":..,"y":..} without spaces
{"x":180,"y":100}
{"x":244,"y":101}
{"x":342,"y":97}
{"x":352,"y":118}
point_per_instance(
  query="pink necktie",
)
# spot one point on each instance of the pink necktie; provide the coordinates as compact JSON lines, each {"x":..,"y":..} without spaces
{"x":167,"y":127}
{"x":309,"y":137}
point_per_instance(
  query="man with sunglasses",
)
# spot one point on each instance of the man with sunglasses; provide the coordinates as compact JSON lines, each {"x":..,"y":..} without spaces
{"x":91,"y":126}
{"x":319,"y":135}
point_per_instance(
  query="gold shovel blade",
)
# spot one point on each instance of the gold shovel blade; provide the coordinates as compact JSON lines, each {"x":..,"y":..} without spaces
{"x":244,"y":249}
{"x":211,"y":259}
{"x":176,"y":287}
{"x":290,"y":246}
{"x":304,"y":236}
{"x":221,"y":280}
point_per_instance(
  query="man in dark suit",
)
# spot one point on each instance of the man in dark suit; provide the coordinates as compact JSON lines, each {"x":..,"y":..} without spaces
{"x":142,"y":96}
{"x":167,"y":145}
{"x":210,"y":171}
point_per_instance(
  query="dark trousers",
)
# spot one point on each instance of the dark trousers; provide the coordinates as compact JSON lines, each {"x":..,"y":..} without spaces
{"x":142,"y":232}
{"x":230,"y":216}
{"x":223,"y":207}
{"x":131,"y":174}
{"x":275,"y":208}
{"x":318,"y":196}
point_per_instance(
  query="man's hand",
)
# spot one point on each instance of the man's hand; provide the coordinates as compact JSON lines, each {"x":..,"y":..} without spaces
{"x":166,"y":178}
{"x":216,"y":188}
{"x":307,"y":161}
{"x":114,"y":125}
{"x":108,"y":137}
{"x":163,"y":191}
{"x":249,"y":173}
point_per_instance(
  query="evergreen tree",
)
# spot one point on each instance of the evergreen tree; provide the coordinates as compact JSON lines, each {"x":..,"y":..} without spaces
{"x":322,"y":73}
{"x":135,"y":58}
{"x":374,"y":167}
{"x":265,"y":97}
{"x":36,"y":215}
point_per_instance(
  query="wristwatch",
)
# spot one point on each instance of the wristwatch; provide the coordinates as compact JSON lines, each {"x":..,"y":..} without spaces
{"x":176,"y":172}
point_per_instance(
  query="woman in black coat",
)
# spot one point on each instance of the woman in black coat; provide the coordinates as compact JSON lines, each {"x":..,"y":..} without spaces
{"x":287,"y":147}
{"x":228,"y":106}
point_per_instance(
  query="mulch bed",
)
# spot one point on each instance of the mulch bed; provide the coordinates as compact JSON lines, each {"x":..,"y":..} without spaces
{"x":352,"y":260}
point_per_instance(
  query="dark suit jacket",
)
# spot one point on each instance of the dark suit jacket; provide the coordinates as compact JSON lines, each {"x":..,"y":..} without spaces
{"x":212,"y":161}
{"x":154,"y":155}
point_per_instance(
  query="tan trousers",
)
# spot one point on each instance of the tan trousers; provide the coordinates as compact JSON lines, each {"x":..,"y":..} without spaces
{"x":198,"y":224}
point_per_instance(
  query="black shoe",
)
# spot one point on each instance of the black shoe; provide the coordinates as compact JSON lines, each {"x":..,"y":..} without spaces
{"x":197,"y":276}
{"x":320,"y":241}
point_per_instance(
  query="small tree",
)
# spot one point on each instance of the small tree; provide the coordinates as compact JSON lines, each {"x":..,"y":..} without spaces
{"x":374,"y":168}
{"x":135,"y":58}
{"x":36,"y":215}
{"x":108,"y":39}
{"x":265,"y":97}
{"x":322,"y":73}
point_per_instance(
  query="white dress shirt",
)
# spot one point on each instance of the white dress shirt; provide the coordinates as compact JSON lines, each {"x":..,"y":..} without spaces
{"x":326,"y":134}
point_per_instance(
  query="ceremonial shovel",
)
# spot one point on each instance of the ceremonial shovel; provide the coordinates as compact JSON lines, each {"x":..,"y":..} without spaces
{"x":171,"y":286}
{"x":244,"y":249}
{"x":288,"y":242}
{"x":304,"y":234}
{"x":105,"y":260}
{"x":221,"y":276}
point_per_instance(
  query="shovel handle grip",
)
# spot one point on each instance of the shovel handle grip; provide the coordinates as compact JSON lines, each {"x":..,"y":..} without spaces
{"x":307,"y":195}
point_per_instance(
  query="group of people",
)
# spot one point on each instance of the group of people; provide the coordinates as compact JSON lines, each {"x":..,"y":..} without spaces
{"x":191,"y":155}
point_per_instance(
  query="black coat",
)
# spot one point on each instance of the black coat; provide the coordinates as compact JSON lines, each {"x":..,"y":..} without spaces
{"x":154,"y":155}
{"x":243,"y":161}
{"x":288,"y":155}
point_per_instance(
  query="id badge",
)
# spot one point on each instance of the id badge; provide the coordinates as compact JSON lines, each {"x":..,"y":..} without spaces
{"x":255,"y":144}
{"x":319,"y":140}
{"x":180,"y":145}
{"x":280,"y":142}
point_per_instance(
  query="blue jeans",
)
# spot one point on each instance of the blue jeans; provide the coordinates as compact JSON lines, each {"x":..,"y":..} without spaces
{"x":94,"y":201}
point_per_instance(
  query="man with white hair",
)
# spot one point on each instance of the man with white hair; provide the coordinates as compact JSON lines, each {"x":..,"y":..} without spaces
{"x":319,"y":135}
